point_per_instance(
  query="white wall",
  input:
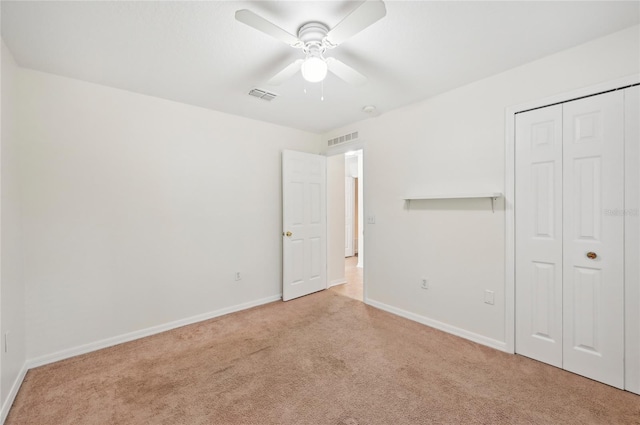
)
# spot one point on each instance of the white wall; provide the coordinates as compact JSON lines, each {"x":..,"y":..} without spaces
{"x":455,"y":143}
{"x":335,"y":219}
{"x":12,"y":299}
{"x":138,"y":211}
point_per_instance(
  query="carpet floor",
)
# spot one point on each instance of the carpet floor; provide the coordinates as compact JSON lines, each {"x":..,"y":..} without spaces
{"x":320,"y":359}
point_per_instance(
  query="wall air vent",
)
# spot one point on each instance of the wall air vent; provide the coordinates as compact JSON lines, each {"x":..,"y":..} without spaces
{"x":350,"y":137}
{"x":262,"y":94}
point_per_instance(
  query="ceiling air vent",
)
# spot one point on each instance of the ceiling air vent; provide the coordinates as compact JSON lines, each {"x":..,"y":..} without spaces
{"x":350,"y":137}
{"x":264,"y":95}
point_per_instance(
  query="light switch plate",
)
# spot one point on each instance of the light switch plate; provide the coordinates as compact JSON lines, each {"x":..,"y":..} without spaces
{"x":489,"y":297}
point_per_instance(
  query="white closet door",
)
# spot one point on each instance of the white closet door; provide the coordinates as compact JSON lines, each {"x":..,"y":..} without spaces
{"x":593,"y":287}
{"x":539,"y":234}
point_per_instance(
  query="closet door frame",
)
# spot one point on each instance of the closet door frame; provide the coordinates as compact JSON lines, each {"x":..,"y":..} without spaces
{"x":631,"y":368}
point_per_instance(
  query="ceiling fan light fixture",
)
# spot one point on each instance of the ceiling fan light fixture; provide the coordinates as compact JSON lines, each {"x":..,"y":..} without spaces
{"x":314,"y":69}
{"x":314,"y":38}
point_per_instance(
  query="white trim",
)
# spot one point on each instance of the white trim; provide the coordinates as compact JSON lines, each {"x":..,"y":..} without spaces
{"x":359,"y":247}
{"x":13,"y":393}
{"x":509,"y":190}
{"x":471,"y":336}
{"x":337,"y":282}
{"x":109,"y":342}
{"x":510,"y":234}
{"x":575,"y":94}
{"x":631,"y":241}
{"x":349,"y":209}
{"x":362,"y":206}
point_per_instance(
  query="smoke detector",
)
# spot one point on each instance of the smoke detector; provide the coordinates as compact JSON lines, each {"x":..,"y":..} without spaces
{"x":369,"y":109}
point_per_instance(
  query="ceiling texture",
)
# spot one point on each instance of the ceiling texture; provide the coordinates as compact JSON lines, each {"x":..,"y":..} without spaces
{"x":195,"y":52}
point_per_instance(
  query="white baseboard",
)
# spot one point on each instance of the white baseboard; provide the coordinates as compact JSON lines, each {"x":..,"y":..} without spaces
{"x":13,"y":393}
{"x":109,"y":342}
{"x":337,"y":282}
{"x":480,"y":339}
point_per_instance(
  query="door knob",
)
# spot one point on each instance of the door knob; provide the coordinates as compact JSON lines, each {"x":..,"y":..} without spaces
{"x":288,"y":234}
{"x":592,"y":255}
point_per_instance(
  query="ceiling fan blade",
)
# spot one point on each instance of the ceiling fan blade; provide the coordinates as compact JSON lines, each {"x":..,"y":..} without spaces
{"x":258,"y":22}
{"x":369,"y":12}
{"x":286,"y":73}
{"x":345,"y":72}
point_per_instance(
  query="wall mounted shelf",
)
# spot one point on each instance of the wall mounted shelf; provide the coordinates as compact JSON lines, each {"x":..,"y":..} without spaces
{"x":493,"y":196}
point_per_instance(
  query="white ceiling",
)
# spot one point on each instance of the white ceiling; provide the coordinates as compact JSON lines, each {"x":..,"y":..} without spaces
{"x":196,"y":53}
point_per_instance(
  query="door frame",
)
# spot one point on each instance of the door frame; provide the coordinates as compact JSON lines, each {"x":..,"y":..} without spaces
{"x":339,"y":150}
{"x":350,"y":206}
{"x":509,"y":192}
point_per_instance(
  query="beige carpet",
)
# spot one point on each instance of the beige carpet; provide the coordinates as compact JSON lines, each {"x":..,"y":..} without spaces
{"x":321,"y":359}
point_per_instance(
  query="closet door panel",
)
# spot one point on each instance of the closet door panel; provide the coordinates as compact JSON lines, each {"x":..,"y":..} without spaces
{"x":539,"y":234}
{"x":593,"y":255}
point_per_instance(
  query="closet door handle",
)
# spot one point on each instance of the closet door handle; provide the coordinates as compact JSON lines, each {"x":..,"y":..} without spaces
{"x":592,"y":255}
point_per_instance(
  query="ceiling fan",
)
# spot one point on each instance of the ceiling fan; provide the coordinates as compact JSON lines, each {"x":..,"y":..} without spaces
{"x":315,"y":38}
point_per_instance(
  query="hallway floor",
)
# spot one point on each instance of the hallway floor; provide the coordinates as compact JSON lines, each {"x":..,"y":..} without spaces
{"x":353,"y":274}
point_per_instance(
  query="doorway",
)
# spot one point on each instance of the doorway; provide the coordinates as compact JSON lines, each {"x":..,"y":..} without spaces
{"x":345,"y":222}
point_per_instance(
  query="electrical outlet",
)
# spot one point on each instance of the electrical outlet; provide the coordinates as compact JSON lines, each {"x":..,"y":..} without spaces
{"x":238,"y":276}
{"x":489,"y":297}
{"x":371,"y":219}
{"x":424,"y":283}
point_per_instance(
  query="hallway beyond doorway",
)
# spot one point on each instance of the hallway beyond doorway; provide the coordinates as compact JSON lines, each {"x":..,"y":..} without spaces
{"x":353,"y":275}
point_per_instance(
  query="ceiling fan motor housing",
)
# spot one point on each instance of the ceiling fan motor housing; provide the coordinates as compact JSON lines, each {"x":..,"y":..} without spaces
{"x":312,"y":35}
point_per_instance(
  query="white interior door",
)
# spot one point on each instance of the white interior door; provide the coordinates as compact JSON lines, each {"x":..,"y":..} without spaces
{"x":539,"y":234}
{"x":593,"y":279}
{"x":304,"y":224}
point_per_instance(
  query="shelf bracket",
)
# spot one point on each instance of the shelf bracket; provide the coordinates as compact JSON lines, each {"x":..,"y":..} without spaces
{"x":493,"y":199}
